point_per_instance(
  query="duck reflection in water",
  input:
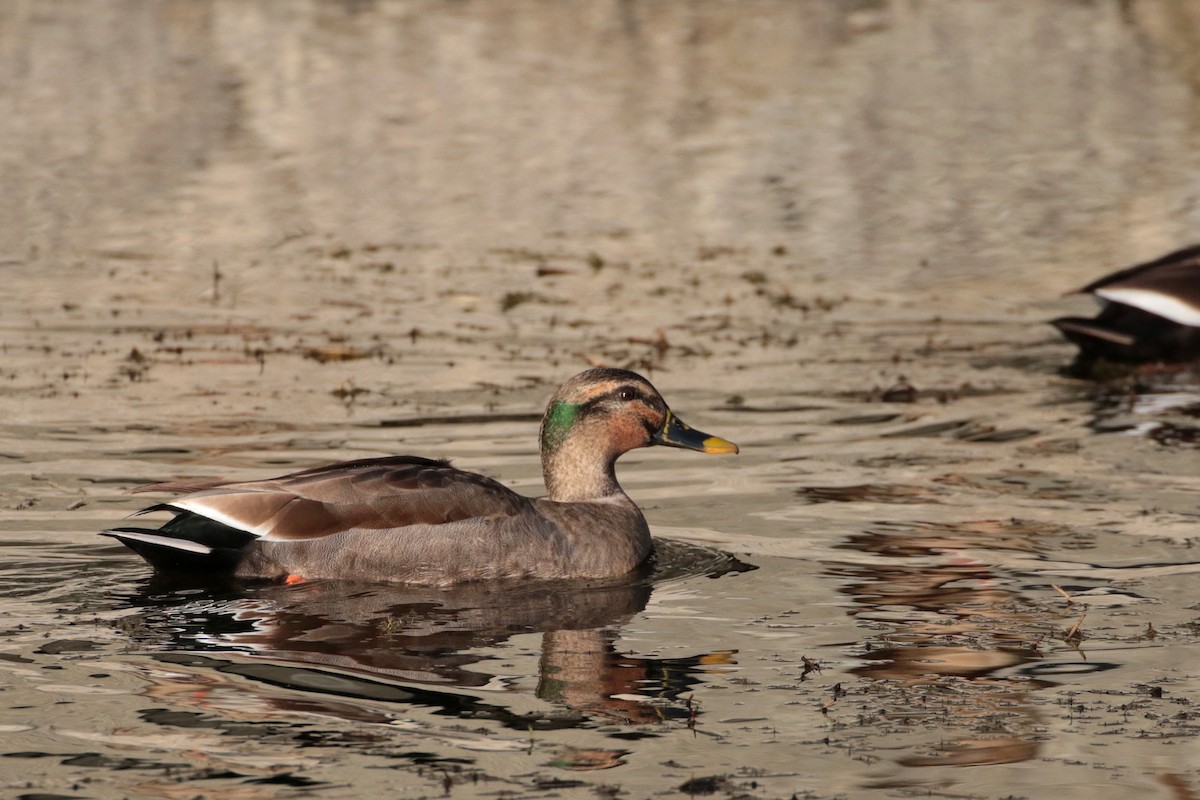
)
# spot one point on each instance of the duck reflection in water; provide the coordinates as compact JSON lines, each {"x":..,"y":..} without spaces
{"x":953,"y":648}
{"x":433,"y":647}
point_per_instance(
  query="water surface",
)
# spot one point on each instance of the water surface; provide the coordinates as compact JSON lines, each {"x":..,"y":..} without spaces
{"x":243,"y":238}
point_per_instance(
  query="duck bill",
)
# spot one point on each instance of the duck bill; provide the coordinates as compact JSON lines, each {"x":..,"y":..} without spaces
{"x":676,"y":433}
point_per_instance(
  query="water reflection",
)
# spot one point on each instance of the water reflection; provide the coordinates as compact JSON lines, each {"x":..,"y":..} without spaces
{"x":446,"y":650}
{"x":1164,"y":411}
{"x":951,"y":636}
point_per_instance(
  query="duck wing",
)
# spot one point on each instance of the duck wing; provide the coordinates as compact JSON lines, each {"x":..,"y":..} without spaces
{"x":371,"y":494}
{"x":1168,"y":287}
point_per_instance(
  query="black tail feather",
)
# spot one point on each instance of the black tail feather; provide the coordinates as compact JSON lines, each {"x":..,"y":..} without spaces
{"x":188,"y":543}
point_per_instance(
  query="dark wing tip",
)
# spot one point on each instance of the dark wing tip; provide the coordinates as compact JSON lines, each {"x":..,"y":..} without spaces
{"x":1075,"y":328}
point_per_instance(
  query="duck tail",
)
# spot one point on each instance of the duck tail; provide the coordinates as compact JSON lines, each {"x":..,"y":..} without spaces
{"x":188,"y":543}
{"x":1080,"y":331}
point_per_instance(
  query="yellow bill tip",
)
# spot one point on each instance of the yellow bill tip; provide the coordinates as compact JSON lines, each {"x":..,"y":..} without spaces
{"x":717,"y":446}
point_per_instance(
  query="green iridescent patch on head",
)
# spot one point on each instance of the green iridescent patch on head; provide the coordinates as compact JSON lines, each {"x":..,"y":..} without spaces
{"x":558,"y":422}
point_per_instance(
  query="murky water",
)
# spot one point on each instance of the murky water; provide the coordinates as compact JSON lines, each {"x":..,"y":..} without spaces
{"x":239,"y":238}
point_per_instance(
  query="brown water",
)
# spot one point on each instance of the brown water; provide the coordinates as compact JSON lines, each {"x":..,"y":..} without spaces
{"x":240,"y":237}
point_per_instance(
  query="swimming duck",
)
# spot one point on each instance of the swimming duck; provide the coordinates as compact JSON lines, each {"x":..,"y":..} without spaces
{"x":418,"y":521}
{"x":1151,"y":313}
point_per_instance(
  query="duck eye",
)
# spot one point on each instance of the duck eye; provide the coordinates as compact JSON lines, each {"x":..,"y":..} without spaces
{"x":626,"y":393}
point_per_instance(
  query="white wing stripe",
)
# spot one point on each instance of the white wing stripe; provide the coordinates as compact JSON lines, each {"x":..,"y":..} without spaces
{"x":197,"y":506}
{"x":1164,"y":305}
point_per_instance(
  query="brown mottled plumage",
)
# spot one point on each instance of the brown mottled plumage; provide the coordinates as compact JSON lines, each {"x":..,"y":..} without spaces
{"x":413,"y":520}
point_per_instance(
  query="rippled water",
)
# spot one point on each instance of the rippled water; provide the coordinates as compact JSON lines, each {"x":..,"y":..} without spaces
{"x":242,"y":238}
{"x":885,"y":631}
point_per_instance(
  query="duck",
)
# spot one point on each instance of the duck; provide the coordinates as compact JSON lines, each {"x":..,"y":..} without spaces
{"x":1150,"y":314}
{"x":421,"y":521}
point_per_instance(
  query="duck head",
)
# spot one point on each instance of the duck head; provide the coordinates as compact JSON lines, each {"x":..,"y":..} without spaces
{"x":595,"y":417}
